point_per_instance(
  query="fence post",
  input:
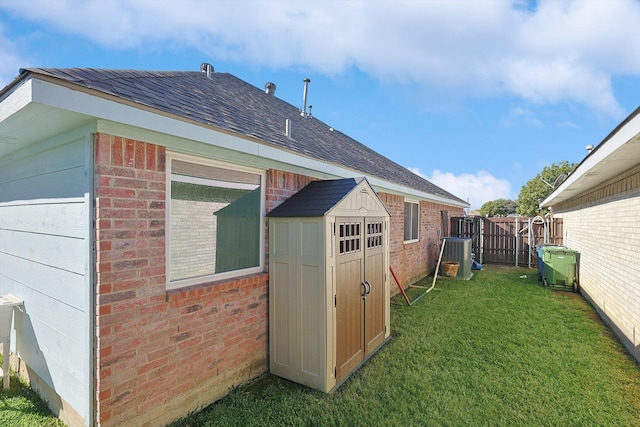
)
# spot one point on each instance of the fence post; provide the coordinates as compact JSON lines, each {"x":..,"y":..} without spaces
{"x":530,"y":239}
{"x":481,"y":240}
{"x":516,"y":237}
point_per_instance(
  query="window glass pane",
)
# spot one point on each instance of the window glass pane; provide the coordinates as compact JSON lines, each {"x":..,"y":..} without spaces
{"x":215,"y":220}
{"x":411,"y":224}
{"x":407,"y":221}
{"x":414,"y":221}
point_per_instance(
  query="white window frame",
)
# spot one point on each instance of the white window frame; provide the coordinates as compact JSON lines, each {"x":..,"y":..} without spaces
{"x":417,"y":232}
{"x":181,"y":283}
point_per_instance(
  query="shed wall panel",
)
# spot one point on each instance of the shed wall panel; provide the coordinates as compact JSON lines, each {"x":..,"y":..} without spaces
{"x":281,"y":307}
{"x":311,"y":321}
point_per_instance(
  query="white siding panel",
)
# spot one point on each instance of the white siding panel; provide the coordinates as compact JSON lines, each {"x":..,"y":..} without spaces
{"x":59,"y":285}
{"x":56,"y":251}
{"x":65,"y":319}
{"x":59,"y":218}
{"x":37,"y":342}
{"x":45,"y":259}
{"x":57,"y":171}
{"x":60,"y":184}
{"x":48,"y":159}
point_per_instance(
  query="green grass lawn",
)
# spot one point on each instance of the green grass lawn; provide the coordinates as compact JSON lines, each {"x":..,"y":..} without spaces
{"x":498,"y":350}
{"x":21,"y":407}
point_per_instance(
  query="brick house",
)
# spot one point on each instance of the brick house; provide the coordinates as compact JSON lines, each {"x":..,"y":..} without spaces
{"x":599,"y":204}
{"x":144,"y":299}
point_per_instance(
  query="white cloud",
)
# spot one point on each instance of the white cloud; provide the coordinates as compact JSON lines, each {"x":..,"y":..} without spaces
{"x":518,"y":116}
{"x":11,"y":59}
{"x":557,"y":51}
{"x":476,"y":189}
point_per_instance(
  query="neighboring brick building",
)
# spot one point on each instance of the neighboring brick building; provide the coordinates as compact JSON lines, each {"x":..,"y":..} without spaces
{"x":115,"y":180}
{"x":599,"y":205}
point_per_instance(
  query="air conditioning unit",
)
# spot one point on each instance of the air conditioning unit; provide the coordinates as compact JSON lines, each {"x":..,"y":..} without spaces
{"x":458,"y":249}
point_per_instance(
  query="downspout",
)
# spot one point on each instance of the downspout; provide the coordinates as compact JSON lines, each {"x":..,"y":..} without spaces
{"x":92,"y":368}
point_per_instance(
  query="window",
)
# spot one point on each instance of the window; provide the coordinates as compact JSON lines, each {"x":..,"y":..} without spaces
{"x":374,"y":235}
{"x":411,"y":222}
{"x":215,"y":221}
{"x":349,"y":237}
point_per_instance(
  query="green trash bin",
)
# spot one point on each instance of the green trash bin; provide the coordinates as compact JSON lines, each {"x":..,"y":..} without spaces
{"x":559,"y":268}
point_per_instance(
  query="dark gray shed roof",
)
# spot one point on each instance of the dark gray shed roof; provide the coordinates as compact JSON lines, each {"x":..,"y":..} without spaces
{"x":315,"y":199}
{"x":230,"y":104}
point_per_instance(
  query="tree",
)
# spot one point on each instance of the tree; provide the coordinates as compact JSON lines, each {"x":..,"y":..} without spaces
{"x":539,"y":188}
{"x":499,"y":207}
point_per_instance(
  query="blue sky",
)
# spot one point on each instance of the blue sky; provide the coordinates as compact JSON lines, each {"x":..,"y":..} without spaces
{"x":476,"y":96}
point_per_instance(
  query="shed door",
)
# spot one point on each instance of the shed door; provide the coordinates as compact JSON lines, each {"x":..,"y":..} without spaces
{"x":349,"y":295}
{"x":374,"y":276}
{"x":359,"y":291}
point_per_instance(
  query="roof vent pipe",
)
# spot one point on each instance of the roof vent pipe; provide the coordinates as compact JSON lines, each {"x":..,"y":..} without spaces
{"x":303,"y":113}
{"x":287,"y":128}
{"x":207,"y":68}
{"x":589,"y":148}
{"x":270,"y":88}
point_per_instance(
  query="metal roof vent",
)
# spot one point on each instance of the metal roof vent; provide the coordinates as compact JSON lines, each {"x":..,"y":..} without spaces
{"x":303,"y":112}
{"x":589,"y":148}
{"x":207,"y":68}
{"x":270,"y":88}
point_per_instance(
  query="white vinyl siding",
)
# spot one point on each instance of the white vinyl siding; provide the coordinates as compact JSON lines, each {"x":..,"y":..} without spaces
{"x":45,"y":241}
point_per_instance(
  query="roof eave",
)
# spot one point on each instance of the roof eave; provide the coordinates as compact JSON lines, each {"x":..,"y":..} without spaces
{"x":615,"y":154}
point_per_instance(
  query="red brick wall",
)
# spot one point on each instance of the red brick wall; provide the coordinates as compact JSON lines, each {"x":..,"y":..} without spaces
{"x":282,"y":185}
{"x":413,"y":261}
{"x":161,"y":354}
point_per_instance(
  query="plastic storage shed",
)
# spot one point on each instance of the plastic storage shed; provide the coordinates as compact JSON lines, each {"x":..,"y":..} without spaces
{"x":458,"y":249}
{"x":328,"y":284}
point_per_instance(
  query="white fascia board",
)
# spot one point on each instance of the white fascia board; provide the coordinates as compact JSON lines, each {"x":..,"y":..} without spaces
{"x":338,"y":171}
{"x":84,"y":103}
{"x":606,"y":148}
{"x":16,"y":100}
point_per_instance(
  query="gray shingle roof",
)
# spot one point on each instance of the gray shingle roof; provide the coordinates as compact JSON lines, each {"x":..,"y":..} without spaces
{"x":228,"y":103}
{"x":315,"y":199}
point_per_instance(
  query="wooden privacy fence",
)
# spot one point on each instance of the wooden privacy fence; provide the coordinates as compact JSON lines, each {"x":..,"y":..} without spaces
{"x":507,"y":240}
